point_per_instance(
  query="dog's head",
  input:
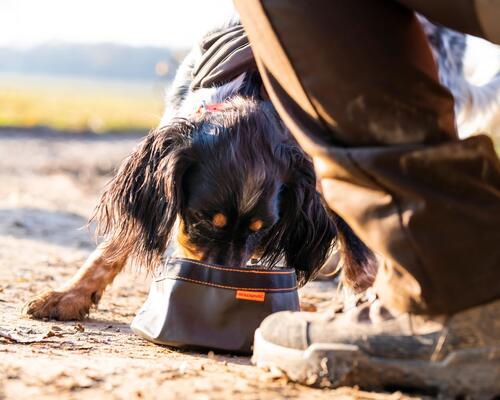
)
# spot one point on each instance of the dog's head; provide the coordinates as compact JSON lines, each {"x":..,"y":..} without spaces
{"x":227,"y":186}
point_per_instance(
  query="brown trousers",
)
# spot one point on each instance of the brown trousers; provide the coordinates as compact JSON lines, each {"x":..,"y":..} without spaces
{"x":356,"y":84}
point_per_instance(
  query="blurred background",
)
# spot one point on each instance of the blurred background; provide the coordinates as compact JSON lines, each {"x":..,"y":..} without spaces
{"x":92,"y":65}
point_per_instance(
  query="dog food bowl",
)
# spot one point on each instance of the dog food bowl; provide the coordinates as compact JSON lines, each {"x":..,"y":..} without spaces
{"x":192,"y":304}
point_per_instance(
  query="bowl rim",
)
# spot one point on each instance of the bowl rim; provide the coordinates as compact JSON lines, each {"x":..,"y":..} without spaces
{"x":280,"y":271}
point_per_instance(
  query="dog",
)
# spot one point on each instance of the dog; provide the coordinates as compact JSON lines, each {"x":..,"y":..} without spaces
{"x":222,"y":180}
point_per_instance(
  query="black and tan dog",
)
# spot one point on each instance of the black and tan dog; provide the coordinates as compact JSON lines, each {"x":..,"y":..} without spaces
{"x":221,"y":180}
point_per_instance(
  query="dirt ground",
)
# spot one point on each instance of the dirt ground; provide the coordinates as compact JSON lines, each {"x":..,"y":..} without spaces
{"x":49,"y":184}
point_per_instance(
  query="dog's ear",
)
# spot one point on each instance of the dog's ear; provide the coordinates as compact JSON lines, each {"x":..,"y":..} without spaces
{"x":138,"y":210}
{"x":308,"y":230}
{"x":305,"y":232}
{"x":358,"y":264}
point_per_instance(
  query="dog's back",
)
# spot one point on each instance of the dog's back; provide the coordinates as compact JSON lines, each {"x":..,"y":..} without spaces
{"x":182,"y":100}
{"x":469,"y":67}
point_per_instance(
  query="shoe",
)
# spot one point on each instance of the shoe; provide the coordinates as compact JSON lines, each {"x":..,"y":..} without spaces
{"x":367,"y":346}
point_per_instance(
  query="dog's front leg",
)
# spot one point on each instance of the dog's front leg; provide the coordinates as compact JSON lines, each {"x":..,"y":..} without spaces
{"x":73,"y":300}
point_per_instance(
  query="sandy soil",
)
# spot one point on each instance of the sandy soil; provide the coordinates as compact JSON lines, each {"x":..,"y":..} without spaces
{"x":49,"y":184}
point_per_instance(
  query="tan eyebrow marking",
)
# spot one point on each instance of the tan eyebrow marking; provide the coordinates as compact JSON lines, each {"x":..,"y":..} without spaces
{"x":219,"y":220}
{"x":256,"y":225}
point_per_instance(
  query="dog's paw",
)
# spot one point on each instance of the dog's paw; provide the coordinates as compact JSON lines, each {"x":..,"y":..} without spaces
{"x":62,"y":305}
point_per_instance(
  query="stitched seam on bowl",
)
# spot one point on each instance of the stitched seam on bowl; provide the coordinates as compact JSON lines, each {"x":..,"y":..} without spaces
{"x":253,"y":271}
{"x":227,"y":287}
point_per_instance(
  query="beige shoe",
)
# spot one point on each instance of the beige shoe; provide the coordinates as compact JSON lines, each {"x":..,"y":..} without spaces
{"x":458,"y":355}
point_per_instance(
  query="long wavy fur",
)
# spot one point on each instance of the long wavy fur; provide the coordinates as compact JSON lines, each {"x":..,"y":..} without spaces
{"x":137,"y":212}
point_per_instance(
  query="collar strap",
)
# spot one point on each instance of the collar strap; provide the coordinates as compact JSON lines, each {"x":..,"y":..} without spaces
{"x":204,"y":107}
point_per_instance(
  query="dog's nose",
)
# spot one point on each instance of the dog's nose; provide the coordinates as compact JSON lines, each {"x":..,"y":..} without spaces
{"x":229,"y":256}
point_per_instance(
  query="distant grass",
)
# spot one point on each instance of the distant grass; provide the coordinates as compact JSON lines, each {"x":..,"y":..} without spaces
{"x":496,"y":142}
{"x":79,"y":104}
{"x":75,"y":104}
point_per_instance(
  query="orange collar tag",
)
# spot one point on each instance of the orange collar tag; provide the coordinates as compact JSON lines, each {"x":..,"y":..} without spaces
{"x":249,"y":295}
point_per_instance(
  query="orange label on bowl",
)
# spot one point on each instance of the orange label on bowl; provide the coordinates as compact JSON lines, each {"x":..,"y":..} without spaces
{"x":248,"y":295}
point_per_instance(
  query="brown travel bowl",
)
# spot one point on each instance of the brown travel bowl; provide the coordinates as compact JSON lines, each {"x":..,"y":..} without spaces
{"x":193,"y":304}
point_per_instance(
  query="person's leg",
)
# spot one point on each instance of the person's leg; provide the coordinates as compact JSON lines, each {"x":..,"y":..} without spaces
{"x":356,"y":84}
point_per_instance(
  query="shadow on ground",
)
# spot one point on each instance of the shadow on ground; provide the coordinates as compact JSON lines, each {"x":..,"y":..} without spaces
{"x":56,"y":227}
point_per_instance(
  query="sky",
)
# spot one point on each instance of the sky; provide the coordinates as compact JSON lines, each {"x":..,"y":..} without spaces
{"x":165,"y":23}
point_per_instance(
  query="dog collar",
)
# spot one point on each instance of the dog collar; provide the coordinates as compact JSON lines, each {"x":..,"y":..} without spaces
{"x":204,"y":107}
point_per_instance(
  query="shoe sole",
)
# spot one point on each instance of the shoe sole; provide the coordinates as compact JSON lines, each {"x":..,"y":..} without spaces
{"x":464,"y":373}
